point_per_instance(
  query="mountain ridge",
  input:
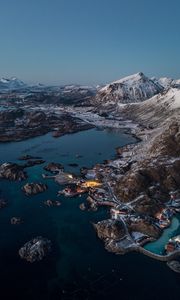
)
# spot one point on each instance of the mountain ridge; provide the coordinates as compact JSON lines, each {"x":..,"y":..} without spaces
{"x":133,"y":88}
{"x":156,"y":110}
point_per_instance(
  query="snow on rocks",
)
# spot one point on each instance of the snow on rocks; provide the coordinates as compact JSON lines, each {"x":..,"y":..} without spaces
{"x":155,"y":111}
{"x":36,"y":249}
{"x":134,"y":88}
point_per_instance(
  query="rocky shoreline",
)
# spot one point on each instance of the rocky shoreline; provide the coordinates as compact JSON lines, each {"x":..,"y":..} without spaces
{"x":19,"y":124}
{"x":135,"y":186}
{"x":141,"y":180}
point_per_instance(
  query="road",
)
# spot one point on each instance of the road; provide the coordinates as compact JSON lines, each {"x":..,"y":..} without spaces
{"x":115,"y":200}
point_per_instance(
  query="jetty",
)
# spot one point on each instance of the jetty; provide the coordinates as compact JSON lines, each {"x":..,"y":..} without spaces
{"x":166,"y":258}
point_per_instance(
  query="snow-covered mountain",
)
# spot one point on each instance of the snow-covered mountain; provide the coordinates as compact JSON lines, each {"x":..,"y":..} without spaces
{"x":134,"y":88}
{"x":167,"y":82}
{"x":74,"y":88}
{"x":12,"y":83}
{"x":155,"y":110}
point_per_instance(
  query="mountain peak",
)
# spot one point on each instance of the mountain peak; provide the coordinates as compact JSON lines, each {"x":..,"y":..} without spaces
{"x":131,"y":78}
{"x":12,"y":83}
{"x":133,"y":88}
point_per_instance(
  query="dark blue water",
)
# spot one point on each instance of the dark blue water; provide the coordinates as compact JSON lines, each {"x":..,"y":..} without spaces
{"x":79,"y":267}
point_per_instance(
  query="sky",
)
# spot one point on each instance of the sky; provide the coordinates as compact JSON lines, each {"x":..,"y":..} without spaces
{"x":88,"y":42}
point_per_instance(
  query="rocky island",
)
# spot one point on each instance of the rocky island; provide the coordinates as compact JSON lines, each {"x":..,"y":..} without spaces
{"x":12,"y":171}
{"x":34,"y":188}
{"x":3,"y":203}
{"x":36,"y":249}
{"x":16,"y":221}
{"x":21,"y":122}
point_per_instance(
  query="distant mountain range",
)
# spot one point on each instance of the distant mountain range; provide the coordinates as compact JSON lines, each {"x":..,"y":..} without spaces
{"x":68,"y":94}
{"x":131,"y":89}
{"x":12,"y":83}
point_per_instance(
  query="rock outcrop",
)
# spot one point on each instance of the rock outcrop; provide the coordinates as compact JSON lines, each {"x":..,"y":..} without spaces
{"x":16,"y":221}
{"x":154,"y":170}
{"x":109,"y":229}
{"x":51,"y":203}
{"x":54,"y":167}
{"x":28,"y":157}
{"x":12,"y":171}
{"x":146,"y":227}
{"x":174,"y":265}
{"x":3,"y":203}
{"x":31,"y":163}
{"x":167,"y":143}
{"x":34,"y":188}
{"x":36,"y":249}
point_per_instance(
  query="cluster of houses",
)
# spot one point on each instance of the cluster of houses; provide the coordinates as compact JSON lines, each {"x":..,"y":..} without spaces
{"x":162,"y":220}
{"x":117,"y":213}
{"x":79,"y":187}
{"x":93,"y":182}
{"x":174,"y":201}
{"x":173,"y":244}
{"x":72,"y":191}
{"x":164,"y":217}
{"x":140,"y":238}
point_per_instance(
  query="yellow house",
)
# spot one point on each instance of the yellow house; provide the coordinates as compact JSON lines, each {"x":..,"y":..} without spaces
{"x":91,"y":184}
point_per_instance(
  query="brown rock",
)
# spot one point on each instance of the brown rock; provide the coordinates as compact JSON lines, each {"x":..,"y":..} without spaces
{"x":130,"y":186}
{"x":12,"y":171}
{"x":51,"y":203}
{"x":147,"y":206}
{"x":36,"y":249}
{"x":111,"y":229}
{"x":54,"y":167}
{"x":34,"y":188}
{"x":146,"y":227}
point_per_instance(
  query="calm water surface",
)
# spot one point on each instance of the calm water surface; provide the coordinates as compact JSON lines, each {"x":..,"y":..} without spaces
{"x":173,"y":230}
{"x":79,"y":267}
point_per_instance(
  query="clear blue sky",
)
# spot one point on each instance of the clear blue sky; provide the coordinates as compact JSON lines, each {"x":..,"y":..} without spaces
{"x":83,"y":41}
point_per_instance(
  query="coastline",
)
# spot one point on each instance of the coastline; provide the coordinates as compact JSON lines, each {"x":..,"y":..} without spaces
{"x":142,"y":135}
{"x":125,"y":154}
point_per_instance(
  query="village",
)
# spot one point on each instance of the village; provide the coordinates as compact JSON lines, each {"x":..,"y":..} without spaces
{"x":126,"y":229}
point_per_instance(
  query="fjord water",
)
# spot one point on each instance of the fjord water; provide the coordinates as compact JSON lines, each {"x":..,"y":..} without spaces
{"x":158,"y":246}
{"x":79,"y":267}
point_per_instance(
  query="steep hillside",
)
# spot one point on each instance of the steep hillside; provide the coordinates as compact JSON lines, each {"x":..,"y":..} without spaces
{"x":167,"y":83}
{"x":134,"y":88}
{"x":156,"y":110}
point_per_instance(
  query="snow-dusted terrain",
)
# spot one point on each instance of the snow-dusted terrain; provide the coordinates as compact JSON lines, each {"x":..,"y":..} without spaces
{"x":156,"y":110}
{"x":145,"y":100}
{"x":131,"y":89}
{"x":67,"y":94}
{"x":15,"y":83}
{"x":12,"y":83}
{"x":166,"y":82}
{"x":95,"y":119}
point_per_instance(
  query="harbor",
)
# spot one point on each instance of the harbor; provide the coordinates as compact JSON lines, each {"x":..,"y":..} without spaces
{"x":141,"y":233}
